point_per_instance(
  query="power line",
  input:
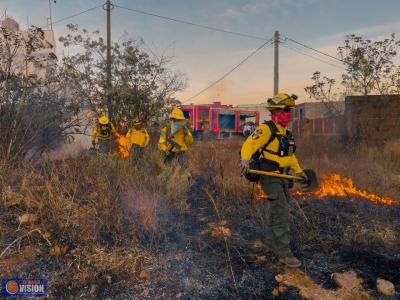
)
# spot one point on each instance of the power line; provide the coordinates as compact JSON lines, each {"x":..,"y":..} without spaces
{"x":314,"y":57}
{"x":191,"y":23}
{"x":74,"y":15}
{"x":266,"y":44}
{"x":297,"y":50}
{"x":313,"y":49}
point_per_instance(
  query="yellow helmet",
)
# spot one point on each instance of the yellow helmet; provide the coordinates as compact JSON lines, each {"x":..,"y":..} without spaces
{"x":280,"y":101}
{"x":177,"y":113}
{"x":103,"y":120}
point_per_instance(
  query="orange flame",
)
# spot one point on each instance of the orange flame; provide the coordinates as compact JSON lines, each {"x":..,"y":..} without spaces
{"x":259,"y":193}
{"x":122,"y":145}
{"x":337,"y":185}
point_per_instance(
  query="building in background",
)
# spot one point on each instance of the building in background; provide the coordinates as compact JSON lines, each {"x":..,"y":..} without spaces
{"x":318,"y":118}
{"x":45,"y":58}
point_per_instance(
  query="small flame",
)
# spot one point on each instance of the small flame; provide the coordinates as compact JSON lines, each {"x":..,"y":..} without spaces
{"x":338,"y":185}
{"x":259,"y":193}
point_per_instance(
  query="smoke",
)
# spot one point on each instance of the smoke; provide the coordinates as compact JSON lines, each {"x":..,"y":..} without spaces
{"x":76,"y":143}
{"x":74,"y":148}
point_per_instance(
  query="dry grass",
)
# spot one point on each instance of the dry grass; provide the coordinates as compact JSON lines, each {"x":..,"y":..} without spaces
{"x":373,"y":168}
{"x":218,"y":164}
{"x":98,"y":219}
{"x":91,"y":213}
{"x":371,"y":235}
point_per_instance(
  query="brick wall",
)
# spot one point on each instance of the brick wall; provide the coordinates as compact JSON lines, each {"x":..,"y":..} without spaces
{"x":319,"y":126}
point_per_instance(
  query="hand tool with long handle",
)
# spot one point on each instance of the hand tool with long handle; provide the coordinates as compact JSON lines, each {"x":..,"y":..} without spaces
{"x":273,"y":174}
{"x":311,"y":183}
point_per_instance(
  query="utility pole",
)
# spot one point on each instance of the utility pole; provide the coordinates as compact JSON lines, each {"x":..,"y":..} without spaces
{"x":108,"y":79}
{"x":276,"y":63}
{"x":51,"y":18}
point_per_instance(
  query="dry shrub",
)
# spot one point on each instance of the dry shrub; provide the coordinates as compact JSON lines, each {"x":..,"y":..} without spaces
{"x":176,"y":183}
{"x":95,"y":211}
{"x":77,"y":207}
{"x":146,"y":213}
{"x":140,"y":208}
{"x":373,"y":235}
{"x":217,"y":163}
{"x":169,"y":180}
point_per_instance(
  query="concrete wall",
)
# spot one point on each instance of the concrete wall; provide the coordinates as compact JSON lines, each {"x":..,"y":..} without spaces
{"x":373,"y":117}
{"x":315,"y":110}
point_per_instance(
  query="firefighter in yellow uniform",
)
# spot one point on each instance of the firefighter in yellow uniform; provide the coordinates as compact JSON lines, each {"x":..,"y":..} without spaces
{"x":272,"y":146}
{"x":138,"y":138}
{"x":175,"y":139}
{"x":104,"y":132}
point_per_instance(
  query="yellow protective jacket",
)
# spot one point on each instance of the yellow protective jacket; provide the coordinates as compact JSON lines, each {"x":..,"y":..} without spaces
{"x":138,"y":137}
{"x":103,"y":132}
{"x":183,"y":138}
{"x":259,"y":138}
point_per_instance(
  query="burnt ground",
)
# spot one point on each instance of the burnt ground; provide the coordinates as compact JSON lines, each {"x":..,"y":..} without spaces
{"x":194,"y":264}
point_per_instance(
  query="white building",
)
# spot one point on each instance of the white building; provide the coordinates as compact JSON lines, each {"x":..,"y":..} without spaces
{"x":45,"y":57}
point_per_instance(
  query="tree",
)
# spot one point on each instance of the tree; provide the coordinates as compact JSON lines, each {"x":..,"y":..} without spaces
{"x":324,"y":90}
{"x":394,"y":81}
{"x":368,"y":64}
{"x":142,"y":86}
{"x":35,"y":116}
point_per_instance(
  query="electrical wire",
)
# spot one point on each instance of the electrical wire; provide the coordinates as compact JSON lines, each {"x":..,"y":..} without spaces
{"x":74,"y":15}
{"x":311,"y":56}
{"x":266,"y":44}
{"x":313,"y":49}
{"x":303,"y":52}
{"x":191,"y":23}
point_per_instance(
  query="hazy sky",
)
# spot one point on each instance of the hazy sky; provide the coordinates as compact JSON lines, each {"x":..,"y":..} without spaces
{"x":204,"y":55}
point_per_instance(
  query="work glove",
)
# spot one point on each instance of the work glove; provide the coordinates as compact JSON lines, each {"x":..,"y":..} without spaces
{"x":94,"y":143}
{"x":303,"y":176}
{"x":304,"y":182}
{"x":245,"y":164}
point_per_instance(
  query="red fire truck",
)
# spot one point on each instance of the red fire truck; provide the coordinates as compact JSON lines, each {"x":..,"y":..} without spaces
{"x":219,"y":119}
